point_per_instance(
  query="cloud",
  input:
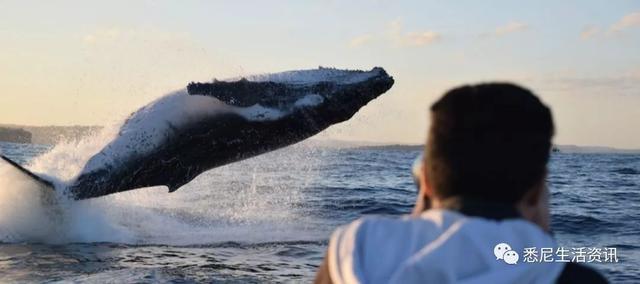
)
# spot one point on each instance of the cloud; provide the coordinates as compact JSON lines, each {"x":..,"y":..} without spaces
{"x":411,"y":39}
{"x":397,"y":37}
{"x":628,"y":21}
{"x":509,"y":28}
{"x":589,"y":33}
{"x":512,"y":27}
{"x":361,"y":40}
{"x":419,"y":38}
{"x":107,"y":35}
{"x":119,"y":36}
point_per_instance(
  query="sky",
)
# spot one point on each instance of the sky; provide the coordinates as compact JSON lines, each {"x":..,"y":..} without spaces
{"x":94,"y":62}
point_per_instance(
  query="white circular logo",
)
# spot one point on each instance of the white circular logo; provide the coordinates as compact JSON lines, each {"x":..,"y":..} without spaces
{"x":500,"y":249}
{"x":511,"y":257}
{"x":503,"y":251}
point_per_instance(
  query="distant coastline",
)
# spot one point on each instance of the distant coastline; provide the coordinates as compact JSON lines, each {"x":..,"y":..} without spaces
{"x":47,"y":135}
{"x":51,"y":135}
{"x":556,"y":149}
{"x":15,"y":135}
{"x":419,"y":147}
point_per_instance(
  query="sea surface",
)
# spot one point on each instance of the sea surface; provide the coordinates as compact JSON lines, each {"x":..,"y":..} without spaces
{"x":268,"y":219}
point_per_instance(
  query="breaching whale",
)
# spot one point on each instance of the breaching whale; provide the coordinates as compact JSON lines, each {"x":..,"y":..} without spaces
{"x":175,"y":138}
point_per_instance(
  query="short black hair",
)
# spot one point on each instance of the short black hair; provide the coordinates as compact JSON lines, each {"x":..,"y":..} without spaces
{"x":488,"y":141}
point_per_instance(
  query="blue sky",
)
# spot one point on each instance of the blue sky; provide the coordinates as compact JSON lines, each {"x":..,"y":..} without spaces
{"x":90,"y":62}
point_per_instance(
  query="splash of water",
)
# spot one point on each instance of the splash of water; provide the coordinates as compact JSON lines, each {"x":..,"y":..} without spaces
{"x":226,"y":204}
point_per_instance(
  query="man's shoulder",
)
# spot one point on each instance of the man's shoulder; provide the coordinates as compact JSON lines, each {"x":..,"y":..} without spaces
{"x":376,"y":245}
{"x":372,"y":230}
{"x":392,"y":233}
{"x":577,"y":273}
{"x":375,"y":225}
{"x":370,"y":225}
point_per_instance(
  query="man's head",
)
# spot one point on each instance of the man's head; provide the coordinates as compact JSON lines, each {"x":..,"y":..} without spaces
{"x":490,"y":142}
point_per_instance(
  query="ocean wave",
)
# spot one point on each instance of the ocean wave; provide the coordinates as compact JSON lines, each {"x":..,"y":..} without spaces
{"x":626,"y":171}
{"x":583,"y":225}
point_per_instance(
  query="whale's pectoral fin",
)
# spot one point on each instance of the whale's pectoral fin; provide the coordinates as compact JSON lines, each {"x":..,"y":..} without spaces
{"x":34,"y":177}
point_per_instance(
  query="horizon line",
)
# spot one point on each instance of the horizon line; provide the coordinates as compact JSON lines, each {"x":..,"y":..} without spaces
{"x":360,"y":142}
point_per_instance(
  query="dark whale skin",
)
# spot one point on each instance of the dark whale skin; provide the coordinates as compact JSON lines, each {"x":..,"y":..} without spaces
{"x":224,"y":138}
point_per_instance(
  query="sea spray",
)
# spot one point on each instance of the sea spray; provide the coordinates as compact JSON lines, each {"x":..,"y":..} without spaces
{"x":31,"y":213}
{"x":256,"y":200}
{"x":22,"y":216}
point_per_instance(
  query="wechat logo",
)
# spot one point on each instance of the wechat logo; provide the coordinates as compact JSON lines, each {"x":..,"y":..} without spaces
{"x":503,"y":251}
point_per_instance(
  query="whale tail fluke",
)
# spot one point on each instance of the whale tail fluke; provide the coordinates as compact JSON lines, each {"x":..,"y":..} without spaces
{"x":34,"y":177}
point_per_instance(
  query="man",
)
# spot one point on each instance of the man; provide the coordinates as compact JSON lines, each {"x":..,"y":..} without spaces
{"x":482,"y":202}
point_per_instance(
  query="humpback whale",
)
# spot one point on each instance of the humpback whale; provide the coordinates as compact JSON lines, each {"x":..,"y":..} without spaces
{"x":175,"y":138}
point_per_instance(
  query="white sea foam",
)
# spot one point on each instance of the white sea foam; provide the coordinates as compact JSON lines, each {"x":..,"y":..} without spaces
{"x":31,"y":213}
{"x":22,"y":215}
{"x":244,"y":202}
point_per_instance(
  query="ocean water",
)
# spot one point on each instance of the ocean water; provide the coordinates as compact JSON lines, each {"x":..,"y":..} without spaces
{"x":267,"y":219}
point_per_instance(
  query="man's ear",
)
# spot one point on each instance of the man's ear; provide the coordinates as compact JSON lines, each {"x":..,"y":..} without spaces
{"x":532,"y":197}
{"x":425,"y":185}
{"x":425,"y":194}
{"x":534,"y":206}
